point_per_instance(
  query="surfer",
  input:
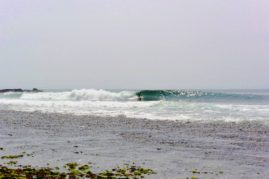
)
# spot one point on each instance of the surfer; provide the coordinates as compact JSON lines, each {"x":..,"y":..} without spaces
{"x":139,"y":97}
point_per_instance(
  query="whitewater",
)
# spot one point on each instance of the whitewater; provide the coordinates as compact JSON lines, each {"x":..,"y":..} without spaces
{"x":182,"y":105}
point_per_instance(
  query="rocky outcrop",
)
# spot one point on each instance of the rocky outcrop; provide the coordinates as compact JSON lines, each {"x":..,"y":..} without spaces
{"x":19,"y":90}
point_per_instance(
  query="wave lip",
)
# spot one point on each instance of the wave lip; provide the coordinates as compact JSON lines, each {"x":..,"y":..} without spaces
{"x":197,"y":95}
{"x":152,"y":95}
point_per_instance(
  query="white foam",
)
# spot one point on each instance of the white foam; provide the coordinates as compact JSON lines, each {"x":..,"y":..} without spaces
{"x":81,"y":95}
{"x":161,"y":110}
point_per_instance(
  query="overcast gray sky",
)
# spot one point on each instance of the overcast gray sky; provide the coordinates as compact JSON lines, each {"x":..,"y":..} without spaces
{"x":134,"y":44}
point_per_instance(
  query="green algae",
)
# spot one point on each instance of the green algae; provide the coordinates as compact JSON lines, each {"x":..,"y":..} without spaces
{"x":75,"y":171}
{"x":12,"y":156}
{"x":17,"y":156}
{"x":11,"y":163}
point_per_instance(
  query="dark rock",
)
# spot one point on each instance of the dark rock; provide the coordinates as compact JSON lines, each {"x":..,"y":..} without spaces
{"x":36,"y":90}
{"x":19,"y":90}
{"x":11,"y":90}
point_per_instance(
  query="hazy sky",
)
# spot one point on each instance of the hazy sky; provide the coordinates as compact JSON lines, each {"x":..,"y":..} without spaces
{"x":134,"y":43}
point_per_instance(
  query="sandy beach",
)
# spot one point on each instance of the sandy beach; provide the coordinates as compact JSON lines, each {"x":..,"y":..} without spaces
{"x":172,"y":148}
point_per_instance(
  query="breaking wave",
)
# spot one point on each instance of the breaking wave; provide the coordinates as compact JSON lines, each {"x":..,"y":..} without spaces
{"x":197,"y":95}
{"x":74,"y":95}
{"x":150,"y":104}
{"x":143,"y":95}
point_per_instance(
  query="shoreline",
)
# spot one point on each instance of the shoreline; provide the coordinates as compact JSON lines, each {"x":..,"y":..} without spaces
{"x":171,"y":148}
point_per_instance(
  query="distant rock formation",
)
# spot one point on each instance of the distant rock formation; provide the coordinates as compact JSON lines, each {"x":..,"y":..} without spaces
{"x":34,"y":90}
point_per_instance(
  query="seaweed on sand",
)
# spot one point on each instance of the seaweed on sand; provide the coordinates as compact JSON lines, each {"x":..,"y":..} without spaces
{"x":74,"y":171}
{"x":71,"y":170}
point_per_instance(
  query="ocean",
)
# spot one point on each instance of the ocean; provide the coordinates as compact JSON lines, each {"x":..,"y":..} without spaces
{"x":182,"y":105}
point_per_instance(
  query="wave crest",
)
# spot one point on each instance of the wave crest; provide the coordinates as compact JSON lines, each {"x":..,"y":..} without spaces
{"x":195,"y":95}
{"x":100,"y":95}
{"x":81,"y":95}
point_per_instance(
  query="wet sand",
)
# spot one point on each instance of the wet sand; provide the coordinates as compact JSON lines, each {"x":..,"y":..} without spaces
{"x":172,"y":148}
